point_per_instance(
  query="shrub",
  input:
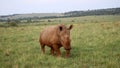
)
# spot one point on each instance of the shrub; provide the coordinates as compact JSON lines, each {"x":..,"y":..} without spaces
{"x":13,"y":24}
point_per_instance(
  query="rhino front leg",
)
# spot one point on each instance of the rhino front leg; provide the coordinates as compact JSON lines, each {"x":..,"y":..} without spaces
{"x":58,"y":53}
{"x":67,"y":53}
{"x":56,"y":48}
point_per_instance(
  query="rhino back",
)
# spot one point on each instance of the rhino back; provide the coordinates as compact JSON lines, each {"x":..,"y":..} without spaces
{"x":49,"y":35}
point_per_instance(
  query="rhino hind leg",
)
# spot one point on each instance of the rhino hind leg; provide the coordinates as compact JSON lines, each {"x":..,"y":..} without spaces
{"x":43,"y":48}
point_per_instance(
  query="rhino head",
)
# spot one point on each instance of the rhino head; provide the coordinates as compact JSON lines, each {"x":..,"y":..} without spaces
{"x":64,"y":35}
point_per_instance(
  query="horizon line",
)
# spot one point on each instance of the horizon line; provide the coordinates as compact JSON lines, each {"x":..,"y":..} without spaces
{"x":55,"y":12}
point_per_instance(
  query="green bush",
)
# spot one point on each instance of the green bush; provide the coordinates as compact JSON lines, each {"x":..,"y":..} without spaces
{"x":13,"y":24}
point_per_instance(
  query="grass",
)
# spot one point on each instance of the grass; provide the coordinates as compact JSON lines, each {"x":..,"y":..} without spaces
{"x":95,"y":44}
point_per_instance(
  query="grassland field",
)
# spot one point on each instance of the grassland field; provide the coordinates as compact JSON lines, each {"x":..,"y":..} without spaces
{"x":95,"y":42}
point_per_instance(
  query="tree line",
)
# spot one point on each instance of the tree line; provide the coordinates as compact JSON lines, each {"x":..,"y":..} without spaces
{"x":108,"y":11}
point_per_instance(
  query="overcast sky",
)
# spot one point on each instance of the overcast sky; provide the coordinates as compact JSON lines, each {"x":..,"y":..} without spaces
{"x":51,"y":6}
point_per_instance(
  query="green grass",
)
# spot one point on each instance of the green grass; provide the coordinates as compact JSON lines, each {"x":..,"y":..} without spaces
{"x":95,"y":44}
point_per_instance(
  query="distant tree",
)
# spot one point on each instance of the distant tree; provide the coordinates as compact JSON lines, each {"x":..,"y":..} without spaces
{"x":29,"y":20}
{"x":13,"y":24}
{"x":49,"y":21}
{"x":73,"y":21}
{"x":109,"y":11}
{"x":8,"y":20}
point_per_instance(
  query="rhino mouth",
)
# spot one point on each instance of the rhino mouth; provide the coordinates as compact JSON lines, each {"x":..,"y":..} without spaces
{"x":65,"y":44}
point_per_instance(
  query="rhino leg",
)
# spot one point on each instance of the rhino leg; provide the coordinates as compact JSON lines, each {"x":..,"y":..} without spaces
{"x":67,"y":53}
{"x":52,"y":51}
{"x":56,"y":48}
{"x":58,"y":53}
{"x":43,"y":48}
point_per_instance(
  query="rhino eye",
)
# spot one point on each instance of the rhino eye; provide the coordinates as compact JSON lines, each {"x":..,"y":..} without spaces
{"x":60,"y":28}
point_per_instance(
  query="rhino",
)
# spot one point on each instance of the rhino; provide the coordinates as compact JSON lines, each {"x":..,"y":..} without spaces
{"x":55,"y":37}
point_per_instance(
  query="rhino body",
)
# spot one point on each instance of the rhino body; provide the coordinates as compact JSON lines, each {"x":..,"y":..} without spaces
{"x":55,"y":37}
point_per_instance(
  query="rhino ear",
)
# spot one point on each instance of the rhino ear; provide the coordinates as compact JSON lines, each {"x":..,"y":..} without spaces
{"x":60,"y":28}
{"x":70,"y":27}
